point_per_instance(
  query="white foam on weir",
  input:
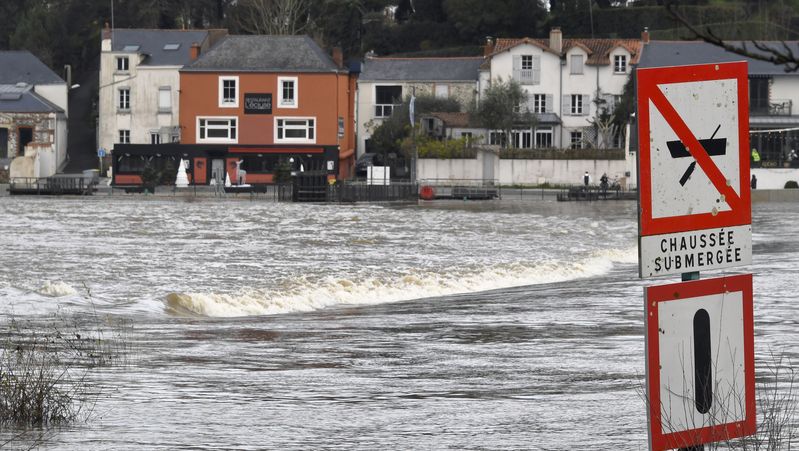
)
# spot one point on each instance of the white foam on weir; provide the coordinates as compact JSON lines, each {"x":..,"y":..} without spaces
{"x":304,"y":296}
{"x":56,"y":289}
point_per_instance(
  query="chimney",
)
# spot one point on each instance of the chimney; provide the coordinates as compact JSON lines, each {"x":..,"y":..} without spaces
{"x":556,"y":40}
{"x":338,"y":57}
{"x":105,"y":42}
{"x":194,"y":52}
{"x":489,"y":47}
{"x":645,"y":35}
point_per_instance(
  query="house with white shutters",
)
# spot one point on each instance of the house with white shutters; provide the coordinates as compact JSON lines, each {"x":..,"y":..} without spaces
{"x":569,"y":82}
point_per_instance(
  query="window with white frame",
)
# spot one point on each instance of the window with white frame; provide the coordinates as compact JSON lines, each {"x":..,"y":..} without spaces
{"x":442,"y":91}
{"x":165,"y":99}
{"x":386,"y":99}
{"x":155,"y":137}
{"x":620,"y":64}
{"x":539,"y":103}
{"x":496,"y":138}
{"x":287,"y":92}
{"x":123,"y":99}
{"x":217,"y":129}
{"x":527,"y":62}
{"x":522,"y":139}
{"x":228,"y":92}
{"x":123,"y":64}
{"x":295,"y":130}
{"x":576,"y":141}
{"x":576,"y":64}
{"x":124,"y":136}
{"x":576,"y":104}
{"x":543,"y":137}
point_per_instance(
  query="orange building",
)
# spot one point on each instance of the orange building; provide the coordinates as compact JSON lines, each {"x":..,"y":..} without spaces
{"x":252,"y":103}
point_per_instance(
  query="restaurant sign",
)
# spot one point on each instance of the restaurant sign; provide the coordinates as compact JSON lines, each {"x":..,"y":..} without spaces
{"x":258,"y":103}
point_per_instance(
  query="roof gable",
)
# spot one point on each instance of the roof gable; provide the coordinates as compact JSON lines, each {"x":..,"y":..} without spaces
{"x":20,"y":66}
{"x":598,"y":49}
{"x":504,"y":44}
{"x":265,"y":53}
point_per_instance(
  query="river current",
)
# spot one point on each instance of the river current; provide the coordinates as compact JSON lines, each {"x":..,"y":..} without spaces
{"x":513,"y":324}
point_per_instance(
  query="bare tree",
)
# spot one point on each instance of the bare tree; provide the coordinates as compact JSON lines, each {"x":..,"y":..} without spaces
{"x":283,"y":17}
{"x":781,"y":55}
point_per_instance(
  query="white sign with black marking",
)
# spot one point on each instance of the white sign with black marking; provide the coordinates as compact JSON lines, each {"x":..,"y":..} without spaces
{"x":696,"y":250}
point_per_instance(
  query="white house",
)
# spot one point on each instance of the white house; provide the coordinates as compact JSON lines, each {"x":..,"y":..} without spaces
{"x":140,"y":83}
{"x":563,"y":79}
{"x":385,"y":82}
{"x":33,"y":116}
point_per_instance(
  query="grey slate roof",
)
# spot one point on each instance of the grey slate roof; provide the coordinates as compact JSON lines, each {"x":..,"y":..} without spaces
{"x":152,"y":42}
{"x":420,"y":69}
{"x":20,"y":66}
{"x":680,"y":53}
{"x":264,"y":53}
{"x":22,"y":99}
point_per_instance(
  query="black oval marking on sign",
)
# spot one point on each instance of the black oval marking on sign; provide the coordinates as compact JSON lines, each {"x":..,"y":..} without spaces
{"x":703,"y":371}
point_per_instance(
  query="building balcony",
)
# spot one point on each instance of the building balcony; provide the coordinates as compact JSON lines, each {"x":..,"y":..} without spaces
{"x":526,"y":76}
{"x":775,"y":107}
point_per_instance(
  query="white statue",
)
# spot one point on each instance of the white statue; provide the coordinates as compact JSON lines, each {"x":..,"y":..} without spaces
{"x":182,"y":180}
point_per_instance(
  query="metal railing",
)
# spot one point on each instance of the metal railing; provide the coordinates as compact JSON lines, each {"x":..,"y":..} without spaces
{"x":349,"y":191}
{"x":525,"y":76}
{"x":51,"y":185}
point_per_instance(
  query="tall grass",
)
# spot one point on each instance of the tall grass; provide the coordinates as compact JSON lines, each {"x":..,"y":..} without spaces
{"x":46,"y":368}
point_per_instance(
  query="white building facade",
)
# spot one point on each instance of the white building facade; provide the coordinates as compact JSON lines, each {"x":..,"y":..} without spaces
{"x":140,"y":83}
{"x":572,"y":87}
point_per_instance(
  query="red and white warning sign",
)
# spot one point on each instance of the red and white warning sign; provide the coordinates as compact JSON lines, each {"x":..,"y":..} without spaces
{"x":700,"y":361}
{"x":695,"y":208}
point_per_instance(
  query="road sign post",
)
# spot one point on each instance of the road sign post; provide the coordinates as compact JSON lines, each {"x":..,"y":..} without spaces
{"x":695,"y":214}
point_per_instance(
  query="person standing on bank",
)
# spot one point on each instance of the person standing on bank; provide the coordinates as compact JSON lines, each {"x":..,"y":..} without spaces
{"x":753,"y":183}
{"x":586,"y":178}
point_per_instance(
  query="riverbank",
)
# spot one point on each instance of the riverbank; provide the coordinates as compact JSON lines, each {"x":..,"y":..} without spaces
{"x":206,"y":191}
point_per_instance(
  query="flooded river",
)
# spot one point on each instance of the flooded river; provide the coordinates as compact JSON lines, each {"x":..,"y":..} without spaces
{"x":260,"y":325}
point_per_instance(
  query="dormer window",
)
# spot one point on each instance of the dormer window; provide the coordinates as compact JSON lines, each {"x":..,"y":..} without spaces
{"x":228,"y":92}
{"x":620,"y":64}
{"x":123,"y":64}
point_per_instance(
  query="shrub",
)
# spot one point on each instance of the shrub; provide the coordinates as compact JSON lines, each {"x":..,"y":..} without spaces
{"x":45,"y":368}
{"x":445,"y":149}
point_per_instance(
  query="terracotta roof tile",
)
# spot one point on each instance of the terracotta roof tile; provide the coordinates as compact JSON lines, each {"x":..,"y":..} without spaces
{"x":598,"y":49}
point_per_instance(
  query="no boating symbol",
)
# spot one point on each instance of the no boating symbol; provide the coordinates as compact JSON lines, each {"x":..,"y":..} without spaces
{"x":694,"y":166}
